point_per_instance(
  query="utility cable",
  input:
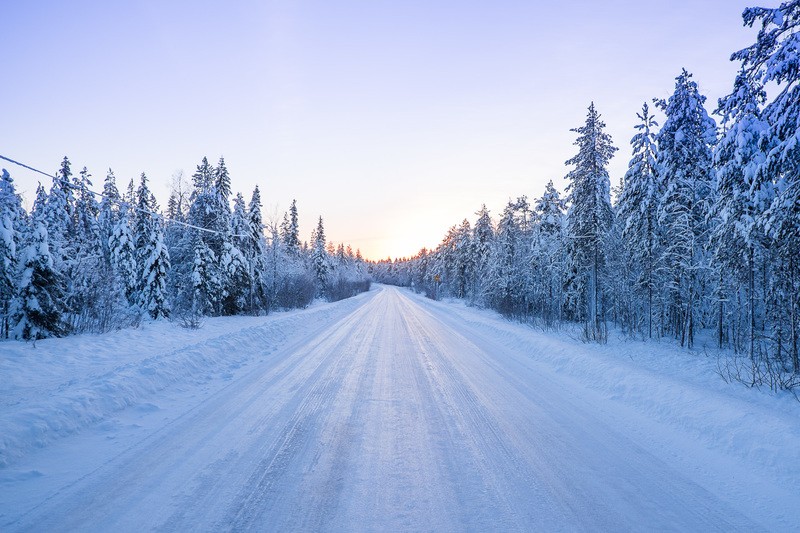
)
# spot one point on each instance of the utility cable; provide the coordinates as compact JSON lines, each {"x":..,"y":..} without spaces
{"x":139,"y":209}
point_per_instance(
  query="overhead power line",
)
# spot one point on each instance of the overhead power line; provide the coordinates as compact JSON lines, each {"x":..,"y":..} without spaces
{"x":139,"y":209}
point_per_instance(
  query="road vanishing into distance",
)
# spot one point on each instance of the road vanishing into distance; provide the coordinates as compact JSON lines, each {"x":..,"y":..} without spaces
{"x":394,"y":415}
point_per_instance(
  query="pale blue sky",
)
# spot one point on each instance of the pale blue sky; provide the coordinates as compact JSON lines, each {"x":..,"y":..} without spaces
{"x":392,"y":120}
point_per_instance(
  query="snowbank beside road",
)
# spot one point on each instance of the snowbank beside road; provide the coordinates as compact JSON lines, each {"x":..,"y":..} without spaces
{"x":669,"y":385}
{"x":60,"y":386}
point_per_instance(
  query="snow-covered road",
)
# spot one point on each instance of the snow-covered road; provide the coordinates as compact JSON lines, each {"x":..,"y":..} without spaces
{"x":395,"y":415}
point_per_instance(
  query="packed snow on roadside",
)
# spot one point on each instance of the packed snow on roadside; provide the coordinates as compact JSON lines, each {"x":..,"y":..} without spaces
{"x":668,"y":384}
{"x":56,"y":387}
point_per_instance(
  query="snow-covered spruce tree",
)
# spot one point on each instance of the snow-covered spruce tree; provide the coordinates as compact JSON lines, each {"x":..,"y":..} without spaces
{"x":260,"y":296}
{"x":507,"y":282}
{"x":442,"y":265}
{"x":38,"y":307}
{"x":222,"y":181}
{"x":122,"y":255}
{"x":320,"y":260}
{"x":118,"y":258}
{"x":130,"y":193}
{"x":11,"y":219}
{"x":108,"y":210}
{"x":86,"y":208}
{"x":482,"y":239}
{"x":92,"y":298}
{"x":774,"y":59}
{"x":239,"y":297}
{"x":637,"y":209}
{"x":229,"y":274}
{"x":236,"y":273}
{"x":420,"y":281}
{"x":205,"y":285}
{"x":464,"y":260}
{"x":173,"y":209}
{"x":151,"y":255}
{"x":738,"y":244}
{"x":180,"y":245}
{"x":291,"y":230}
{"x":548,"y":260}
{"x":240,"y":227}
{"x":686,"y":172}
{"x":206,"y":212}
{"x":203,"y":178}
{"x":589,"y":219}
{"x":58,"y":217}
{"x":156,"y":264}
{"x":40,"y":202}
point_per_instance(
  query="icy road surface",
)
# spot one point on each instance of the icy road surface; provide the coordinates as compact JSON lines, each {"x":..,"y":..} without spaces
{"x":395,"y":415}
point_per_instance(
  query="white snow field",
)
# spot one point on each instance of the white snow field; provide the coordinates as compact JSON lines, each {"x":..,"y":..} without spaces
{"x":385,"y":412}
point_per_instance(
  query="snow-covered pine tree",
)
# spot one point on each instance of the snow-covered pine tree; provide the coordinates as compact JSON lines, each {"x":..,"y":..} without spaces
{"x":320,"y":260}
{"x":589,"y":218}
{"x":234,"y":266}
{"x":122,"y":254}
{"x":152,"y":256}
{"x":686,"y":172}
{"x":420,"y":281}
{"x":549,"y":211}
{"x":240,"y":227}
{"x":237,"y":260}
{"x":205,"y":284}
{"x":291,"y":234}
{"x":464,"y":264}
{"x":130,"y":193}
{"x":58,"y":217}
{"x":38,"y":307}
{"x":222,"y":180}
{"x":220,"y":241}
{"x":443,"y":264}
{"x":154,"y":274}
{"x":482,"y":238}
{"x":11,"y":219}
{"x":91,"y":298}
{"x":180,"y":244}
{"x":259,"y":296}
{"x":108,"y":210}
{"x":208,"y":212}
{"x":773,"y":60}
{"x":86,"y":207}
{"x":203,"y":177}
{"x":40,"y":202}
{"x":549,"y":260}
{"x":637,"y":209}
{"x":506,"y":290}
{"x":738,"y":244}
{"x":222,"y":187}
